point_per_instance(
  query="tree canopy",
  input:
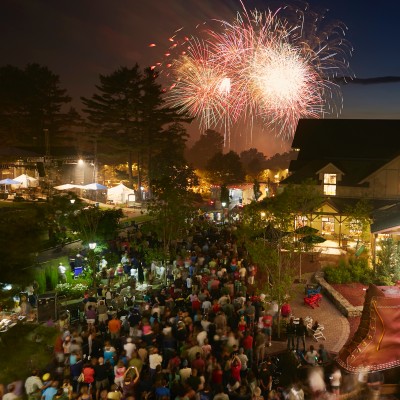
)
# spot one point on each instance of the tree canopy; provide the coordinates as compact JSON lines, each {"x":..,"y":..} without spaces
{"x":210,"y":143}
{"x":31,"y":102}
{"x":225,"y":168}
{"x":130,"y":114}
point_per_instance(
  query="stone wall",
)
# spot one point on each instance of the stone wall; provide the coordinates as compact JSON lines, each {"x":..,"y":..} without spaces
{"x":337,"y":299}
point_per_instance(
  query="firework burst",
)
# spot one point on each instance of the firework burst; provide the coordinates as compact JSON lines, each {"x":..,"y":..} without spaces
{"x":260,"y":66}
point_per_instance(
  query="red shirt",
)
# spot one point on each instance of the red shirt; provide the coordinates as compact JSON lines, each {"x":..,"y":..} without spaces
{"x":88,"y":373}
{"x":114,"y":325}
{"x":248,"y":342}
{"x":235,"y":370}
{"x":217,"y":376}
{"x":267,"y":321}
{"x":196,"y":305}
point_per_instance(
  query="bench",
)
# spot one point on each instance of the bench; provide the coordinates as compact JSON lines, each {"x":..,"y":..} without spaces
{"x":312,"y":291}
{"x":313,"y":300}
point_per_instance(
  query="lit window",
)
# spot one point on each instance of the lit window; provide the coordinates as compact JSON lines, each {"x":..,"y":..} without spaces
{"x":328,"y":225}
{"x":330,"y":184}
{"x":300,"y":221}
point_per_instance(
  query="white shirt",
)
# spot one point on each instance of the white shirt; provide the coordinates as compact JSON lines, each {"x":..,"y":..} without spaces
{"x":336,"y":378}
{"x":206,"y":305}
{"x":311,"y":357}
{"x":200,"y":337}
{"x":31,"y":382}
{"x":154,"y":360}
{"x":129,"y":347}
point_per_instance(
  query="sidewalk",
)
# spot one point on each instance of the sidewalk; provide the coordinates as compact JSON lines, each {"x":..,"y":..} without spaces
{"x":337,"y":327}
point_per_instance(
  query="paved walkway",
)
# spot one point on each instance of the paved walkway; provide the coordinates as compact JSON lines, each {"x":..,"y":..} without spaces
{"x":337,"y":328}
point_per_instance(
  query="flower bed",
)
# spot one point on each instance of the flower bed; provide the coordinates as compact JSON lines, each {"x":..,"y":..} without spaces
{"x":354,"y":292}
{"x":71,"y":289}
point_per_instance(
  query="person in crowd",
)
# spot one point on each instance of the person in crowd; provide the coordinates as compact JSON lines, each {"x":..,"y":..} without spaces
{"x":290,"y":334}
{"x":301,"y":331}
{"x":311,"y":356}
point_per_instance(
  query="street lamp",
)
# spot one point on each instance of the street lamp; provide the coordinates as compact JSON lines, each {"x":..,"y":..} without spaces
{"x":223,"y":204}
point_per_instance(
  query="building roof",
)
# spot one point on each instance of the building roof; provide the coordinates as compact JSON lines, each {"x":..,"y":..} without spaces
{"x":386,"y":219}
{"x":355,"y":146}
{"x":356,"y":139}
{"x":354,"y":171}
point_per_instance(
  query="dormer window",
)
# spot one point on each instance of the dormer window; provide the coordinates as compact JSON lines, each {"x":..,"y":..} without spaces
{"x":330,"y":184}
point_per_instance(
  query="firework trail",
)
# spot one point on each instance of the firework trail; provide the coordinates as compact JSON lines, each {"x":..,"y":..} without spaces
{"x":275,"y":67}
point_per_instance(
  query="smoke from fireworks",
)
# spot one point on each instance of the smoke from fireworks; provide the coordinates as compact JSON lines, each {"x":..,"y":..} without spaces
{"x":260,"y":66}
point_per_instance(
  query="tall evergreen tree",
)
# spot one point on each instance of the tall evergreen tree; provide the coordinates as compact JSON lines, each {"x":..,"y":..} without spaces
{"x":115,"y":111}
{"x":210,"y":143}
{"x":31,"y":102}
{"x":129,"y":111}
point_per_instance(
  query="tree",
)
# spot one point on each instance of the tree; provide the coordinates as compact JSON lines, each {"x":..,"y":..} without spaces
{"x":210,"y":143}
{"x":115,"y":111}
{"x":253,"y":162}
{"x":276,"y":267}
{"x":388,"y":265}
{"x":31,"y":103}
{"x":225,"y":168}
{"x":21,"y":235}
{"x":359,"y":218}
{"x":95,"y":224}
{"x":129,"y":111}
{"x":173,"y":200}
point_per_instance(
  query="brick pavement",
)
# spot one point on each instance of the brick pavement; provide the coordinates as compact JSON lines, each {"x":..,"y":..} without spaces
{"x":337,"y":327}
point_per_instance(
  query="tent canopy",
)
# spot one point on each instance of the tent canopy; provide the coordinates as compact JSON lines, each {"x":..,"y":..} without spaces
{"x":120,"y":194}
{"x":9,"y":181}
{"x":95,"y":186}
{"x":27,"y":181}
{"x":66,"y":186}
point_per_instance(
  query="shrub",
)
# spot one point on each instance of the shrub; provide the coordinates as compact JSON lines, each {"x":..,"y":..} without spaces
{"x":71,"y":289}
{"x":355,"y":270}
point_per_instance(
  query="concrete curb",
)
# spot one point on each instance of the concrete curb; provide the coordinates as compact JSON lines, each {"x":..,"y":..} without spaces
{"x":337,"y":299}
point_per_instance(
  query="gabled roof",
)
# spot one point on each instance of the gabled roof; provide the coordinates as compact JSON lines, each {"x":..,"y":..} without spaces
{"x":357,"y":147}
{"x":360,"y":139}
{"x":332,"y":167}
{"x":354,"y":171}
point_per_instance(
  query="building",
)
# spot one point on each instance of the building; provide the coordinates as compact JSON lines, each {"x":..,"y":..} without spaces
{"x":349,"y":160}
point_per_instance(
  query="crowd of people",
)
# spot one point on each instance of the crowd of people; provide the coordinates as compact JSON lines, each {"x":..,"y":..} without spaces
{"x":199,"y":332}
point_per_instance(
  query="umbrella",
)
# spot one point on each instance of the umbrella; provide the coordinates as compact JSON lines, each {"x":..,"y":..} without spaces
{"x":66,"y":186}
{"x":9,"y":181}
{"x":273,"y":234}
{"x":312,"y":239}
{"x":306,"y":230}
{"x":95,"y":186}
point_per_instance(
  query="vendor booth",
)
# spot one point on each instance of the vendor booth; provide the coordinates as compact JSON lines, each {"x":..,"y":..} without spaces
{"x":120,"y":194}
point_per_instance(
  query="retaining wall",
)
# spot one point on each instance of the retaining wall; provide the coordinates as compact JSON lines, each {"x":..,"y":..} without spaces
{"x":337,"y":299}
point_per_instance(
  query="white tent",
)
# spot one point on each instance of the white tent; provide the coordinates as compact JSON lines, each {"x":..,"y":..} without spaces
{"x":95,"y":186}
{"x":65,"y":186}
{"x":27,"y":181}
{"x":120,"y":194}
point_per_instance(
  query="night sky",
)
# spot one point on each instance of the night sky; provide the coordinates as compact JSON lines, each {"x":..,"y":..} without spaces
{"x":80,"y":39}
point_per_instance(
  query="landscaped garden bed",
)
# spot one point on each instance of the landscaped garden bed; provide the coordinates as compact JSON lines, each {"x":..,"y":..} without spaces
{"x":353,"y":292}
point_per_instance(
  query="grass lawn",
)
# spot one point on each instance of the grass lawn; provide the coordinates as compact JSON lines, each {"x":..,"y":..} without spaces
{"x":20,"y":352}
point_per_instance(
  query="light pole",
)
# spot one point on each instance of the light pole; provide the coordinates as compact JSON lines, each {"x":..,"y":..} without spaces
{"x":223,"y":204}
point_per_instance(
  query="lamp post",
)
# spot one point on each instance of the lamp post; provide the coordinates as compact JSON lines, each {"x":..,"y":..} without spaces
{"x":223,"y":204}
{"x":92,"y":259}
